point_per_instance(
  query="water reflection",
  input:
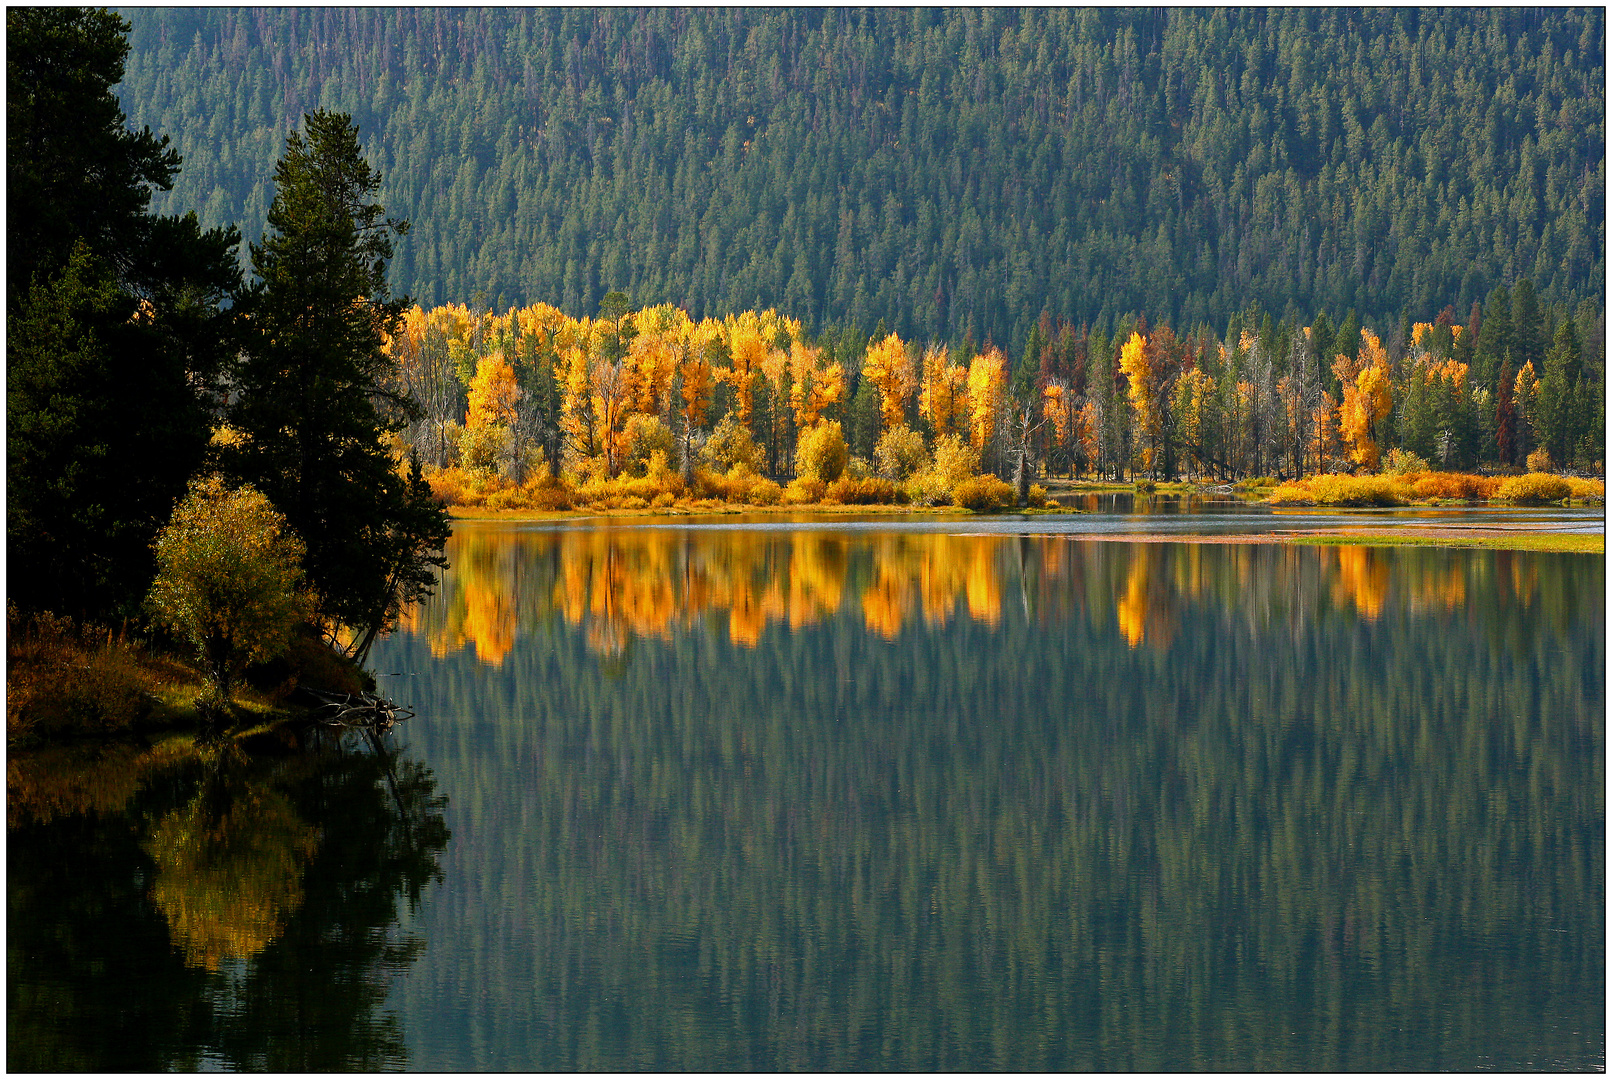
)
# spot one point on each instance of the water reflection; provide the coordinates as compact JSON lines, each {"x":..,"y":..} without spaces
{"x":212,"y":906}
{"x":627,"y":583}
{"x":928,"y":802}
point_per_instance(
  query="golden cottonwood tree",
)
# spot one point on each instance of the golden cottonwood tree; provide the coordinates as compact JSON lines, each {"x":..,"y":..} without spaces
{"x":816,"y":387}
{"x":987,"y":380}
{"x":746,"y":349}
{"x":1367,"y":400}
{"x":889,"y":368}
{"x":943,"y":395}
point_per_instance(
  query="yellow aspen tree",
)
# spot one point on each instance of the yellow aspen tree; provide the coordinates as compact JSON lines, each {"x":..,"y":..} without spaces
{"x":775,"y":379}
{"x":1193,"y":391}
{"x":747,"y":347}
{"x":699,"y":372}
{"x":493,"y":393}
{"x":942,"y":396}
{"x":657,"y":353}
{"x":577,"y":413}
{"x":612,"y":386}
{"x":987,"y":379}
{"x":652,"y":362}
{"x":889,"y":367}
{"x":1366,"y":401}
{"x":816,"y":387}
{"x":1136,"y":361}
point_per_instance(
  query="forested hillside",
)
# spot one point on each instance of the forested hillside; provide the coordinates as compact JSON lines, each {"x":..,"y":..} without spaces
{"x":944,"y":170}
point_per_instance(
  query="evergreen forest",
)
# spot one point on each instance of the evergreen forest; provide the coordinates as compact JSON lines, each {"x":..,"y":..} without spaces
{"x":946,"y":172}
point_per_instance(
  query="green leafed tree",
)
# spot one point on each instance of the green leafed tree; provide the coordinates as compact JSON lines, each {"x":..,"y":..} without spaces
{"x":315,"y":399}
{"x":229,"y":579}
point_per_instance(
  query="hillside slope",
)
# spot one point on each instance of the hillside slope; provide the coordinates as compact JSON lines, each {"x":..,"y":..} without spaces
{"x":946,"y":170}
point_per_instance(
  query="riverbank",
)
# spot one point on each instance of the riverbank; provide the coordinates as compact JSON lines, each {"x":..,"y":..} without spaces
{"x":1493,"y":539}
{"x":66,"y":681}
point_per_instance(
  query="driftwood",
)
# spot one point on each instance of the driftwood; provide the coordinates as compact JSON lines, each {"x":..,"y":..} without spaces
{"x":356,"y":710}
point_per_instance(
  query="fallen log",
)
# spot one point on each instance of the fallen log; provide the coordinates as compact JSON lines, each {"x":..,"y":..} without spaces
{"x":359,"y":710}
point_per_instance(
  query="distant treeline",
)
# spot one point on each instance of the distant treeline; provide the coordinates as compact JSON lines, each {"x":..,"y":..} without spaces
{"x":599,"y":398}
{"x":949,"y":171}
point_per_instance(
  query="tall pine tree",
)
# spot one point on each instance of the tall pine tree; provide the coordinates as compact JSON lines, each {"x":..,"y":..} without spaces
{"x":314,"y":406}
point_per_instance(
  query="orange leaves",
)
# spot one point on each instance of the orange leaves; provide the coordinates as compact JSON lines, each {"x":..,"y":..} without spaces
{"x":943,"y":394}
{"x":987,"y":382}
{"x":1367,"y":399}
{"x":699,"y":374}
{"x":493,"y":393}
{"x":889,"y":368}
{"x":816,"y":386}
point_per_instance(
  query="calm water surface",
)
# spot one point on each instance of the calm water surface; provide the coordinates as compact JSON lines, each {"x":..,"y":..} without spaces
{"x":871,"y":796}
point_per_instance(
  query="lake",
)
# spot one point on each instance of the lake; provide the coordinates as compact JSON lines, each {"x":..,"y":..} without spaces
{"x":882,"y":794}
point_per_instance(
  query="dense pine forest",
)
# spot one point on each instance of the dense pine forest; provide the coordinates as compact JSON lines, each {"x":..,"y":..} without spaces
{"x":947,"y":172}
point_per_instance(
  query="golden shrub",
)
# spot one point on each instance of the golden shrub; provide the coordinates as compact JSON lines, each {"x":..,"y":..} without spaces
{"x":1534,"y":489}
{"x":983,"y":494}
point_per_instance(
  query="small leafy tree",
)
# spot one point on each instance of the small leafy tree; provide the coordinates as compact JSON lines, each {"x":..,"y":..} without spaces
{"x":229,"y":578}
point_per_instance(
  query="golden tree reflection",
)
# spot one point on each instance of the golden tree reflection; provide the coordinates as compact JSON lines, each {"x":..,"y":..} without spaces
{"x":1362,"y":579}
{"x":229,"y":870}
{"x":621,"y":584}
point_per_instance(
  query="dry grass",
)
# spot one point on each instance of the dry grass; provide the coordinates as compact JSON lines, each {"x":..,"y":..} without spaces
{"x":63,"y":678}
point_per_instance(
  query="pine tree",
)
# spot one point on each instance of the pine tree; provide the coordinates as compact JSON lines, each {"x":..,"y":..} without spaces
{"x":117,"y":329}
{"x":315,"y":397}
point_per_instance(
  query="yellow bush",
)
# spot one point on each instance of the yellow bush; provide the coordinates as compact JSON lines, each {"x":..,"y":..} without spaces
{"x":983,"y":493}
{"x":1447,"y":485}
{"x":764,"y":492}
{"x":928,"y":487}
{"x":731,"y":446}
{"x":803,"y":490}
{"x":1403,"y":461}
{"x":646,"y":489}
{"x":1539,"y":461}
{"x":645,"y":438}
{"x":1533,"y":489}
{"x":955,"y":460}
{"x":1338,"y":490}
{"x":820,"y":453}
{"x":507,"y":499}
{"x":1586,"y":490}
{"x":865,"y":492}
{"x":457,"y":487}
{"x":900,"y":453}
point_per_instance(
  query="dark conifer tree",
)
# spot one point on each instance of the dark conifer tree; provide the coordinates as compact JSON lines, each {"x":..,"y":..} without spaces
{"x":116,"y":319}
{"x":314,"y":404}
